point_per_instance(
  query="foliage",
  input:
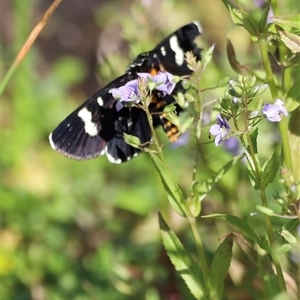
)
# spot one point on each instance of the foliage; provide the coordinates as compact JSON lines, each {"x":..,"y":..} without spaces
{"x":90,"y":230}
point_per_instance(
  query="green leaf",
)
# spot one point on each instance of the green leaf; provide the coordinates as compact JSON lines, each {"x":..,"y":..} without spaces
{"x":170,"y":108}
{"x":242,"y":226}
{"x":181,"y":99}
{"x":294,"y":92}
{"x":223,"y":82}
{"x":207,"y":56}
{"x":289,"y":20}
{"x":265,"y":210}
{"x":294,"y":138}
{"x":241,"y":18}
{"x":268,"y":276}
{"x":291,"y":225}
{"x":189,"y":98}
{"x":186,"y":124}
{"x":290,"y":238}
{"x":290,"y":40}
{"x":270,"y":168}
{"x":172,"y":188}
{"x":253,"y":137}
{"x":193,"y":200}
{"x":183,"y":263}
{"x":132,"y":140}
{"x":263,"y":20}
{"x":172,"y":116}
{"x":219,"y":267}
{"x":207,"y":185}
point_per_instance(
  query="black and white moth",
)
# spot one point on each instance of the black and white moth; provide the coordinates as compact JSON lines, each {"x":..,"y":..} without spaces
{"x":97,"y":126}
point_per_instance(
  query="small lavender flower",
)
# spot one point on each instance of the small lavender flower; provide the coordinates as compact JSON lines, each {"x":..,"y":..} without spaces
{"x":233,"y":146}
{"x":182,"y":140}
{"x":163,"y":81}
{"x":127,"y":94}
{"x":274,"y":112}
{"x":167,"y":85}
{"x":220,"y":130}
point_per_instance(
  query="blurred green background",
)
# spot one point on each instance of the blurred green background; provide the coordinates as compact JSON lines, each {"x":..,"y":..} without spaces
{"x":89,"y":229}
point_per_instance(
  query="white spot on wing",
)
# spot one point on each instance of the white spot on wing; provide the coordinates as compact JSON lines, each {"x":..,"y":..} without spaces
{"x":51,"y":142}
{"x":100,"y":101}
{"x":89,"y":126}
{"x":102,"y":152}
{"x":163,"y":51}
{"x":179,"y":54}
{"x":112,"y":159}
{"x":198,"y":26}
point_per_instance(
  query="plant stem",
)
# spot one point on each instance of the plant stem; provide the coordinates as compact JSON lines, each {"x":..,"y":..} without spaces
{"x":28,"y":44}
{"x":153,"y":133}
{"x":200,"y":251}
{"x":272,"y":242}
{"x":283,"y":124}
{"x":268,"y":223}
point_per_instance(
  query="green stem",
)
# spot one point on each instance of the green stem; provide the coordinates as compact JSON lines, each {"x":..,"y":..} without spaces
{"x":283,"y":124}
{"x":272,"y":242}
{"x":164,"y":204}
{"x":200,"y":251}
{"x":153,"y":132}
{"x":257,"y":171}
{"x":28,"y":44}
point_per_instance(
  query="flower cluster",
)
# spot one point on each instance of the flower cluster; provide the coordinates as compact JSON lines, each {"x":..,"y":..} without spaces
{"x":272,"y":112}
{"x":129,"y":94}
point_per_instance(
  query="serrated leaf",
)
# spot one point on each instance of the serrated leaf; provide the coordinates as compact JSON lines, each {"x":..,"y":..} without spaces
{"x":207,"y":185}
{"x":289,"y":20}
{"x":132,"y":140}
{"x":243,"y":227}
{"x":219,"y":267}
{"x":183,"y":263}
{"x":270,"y":168}
{"x":172,"y":188}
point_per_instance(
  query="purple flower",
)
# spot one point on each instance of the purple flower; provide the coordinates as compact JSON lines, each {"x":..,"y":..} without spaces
{"x":182,"y":140}
{"x":233,"y":146}
{"x":220,"y":130}
{"x":163,"y":81}
{"x":127,"y":94}
{"x":273,"y":112}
